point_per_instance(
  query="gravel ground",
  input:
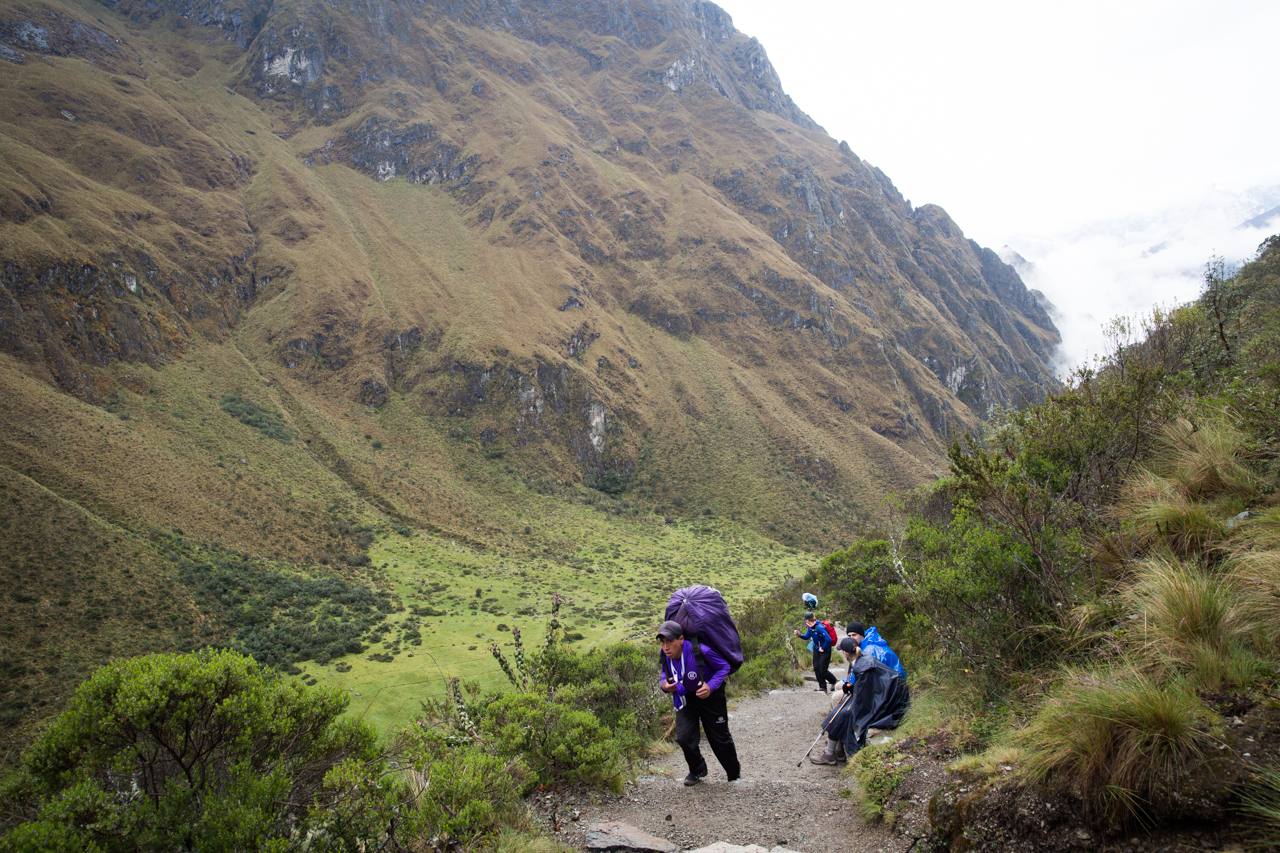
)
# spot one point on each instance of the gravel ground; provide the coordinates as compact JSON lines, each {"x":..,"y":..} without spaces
{"x":775,"y":803}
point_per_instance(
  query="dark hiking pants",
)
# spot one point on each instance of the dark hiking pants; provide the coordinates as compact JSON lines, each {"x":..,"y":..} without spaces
{"x":713,"y":713}
{"x":821,"y":668}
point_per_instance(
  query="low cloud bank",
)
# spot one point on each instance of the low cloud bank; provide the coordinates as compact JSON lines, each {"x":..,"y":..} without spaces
{"x":1125,"y":267}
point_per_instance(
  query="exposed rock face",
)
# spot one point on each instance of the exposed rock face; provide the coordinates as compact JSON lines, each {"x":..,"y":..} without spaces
{"x":617,"y":224}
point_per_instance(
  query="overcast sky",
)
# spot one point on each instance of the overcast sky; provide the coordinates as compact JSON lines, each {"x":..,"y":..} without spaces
{"x":1109,"y":143}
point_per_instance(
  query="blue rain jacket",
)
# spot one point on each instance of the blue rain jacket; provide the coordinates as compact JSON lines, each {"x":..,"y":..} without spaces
{"x":873,"y":644}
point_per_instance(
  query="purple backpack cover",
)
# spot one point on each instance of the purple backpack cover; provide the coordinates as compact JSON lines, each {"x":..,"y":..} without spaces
{"x":702,"y":613}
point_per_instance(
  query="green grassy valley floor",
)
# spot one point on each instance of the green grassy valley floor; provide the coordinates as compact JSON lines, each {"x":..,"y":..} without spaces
{"x":615,"y":582}
{"x":102,"y":507}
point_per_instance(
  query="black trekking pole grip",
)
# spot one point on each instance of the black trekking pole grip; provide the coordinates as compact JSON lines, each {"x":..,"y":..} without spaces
{"x":824,"y":728}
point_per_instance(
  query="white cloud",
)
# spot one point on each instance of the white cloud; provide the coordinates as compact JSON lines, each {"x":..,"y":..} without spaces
{"x":1126,"y":267}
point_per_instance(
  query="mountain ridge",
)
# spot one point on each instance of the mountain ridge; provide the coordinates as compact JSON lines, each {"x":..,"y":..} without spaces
{"x":280,"y":274}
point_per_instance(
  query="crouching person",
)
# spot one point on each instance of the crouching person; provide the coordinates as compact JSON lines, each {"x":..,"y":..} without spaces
{"x":876,"y":697}
{"x":695,"y":679}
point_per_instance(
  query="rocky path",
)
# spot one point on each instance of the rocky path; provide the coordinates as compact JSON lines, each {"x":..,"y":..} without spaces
{"x":775,"y":803}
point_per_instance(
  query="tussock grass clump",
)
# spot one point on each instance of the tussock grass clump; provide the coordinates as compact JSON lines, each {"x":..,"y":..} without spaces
{"x":1194,"y":621}
{"x":1261,"y":530}
{"x":1001,"y":758}
{"x":1192,"y":485}
{"x":1261,"y":802}
{"x":1162,"y":512}
{"x":1123,"y":741}
{"x":1182,"y":603}
{"x":1256,"y":575}
{"x":1204,"y":458}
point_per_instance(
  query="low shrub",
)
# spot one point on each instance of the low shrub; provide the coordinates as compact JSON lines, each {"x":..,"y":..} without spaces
{"x":765,"y":624}
{"x":155,"y":752}
{"x":560,"y":745}
{"x":460,"y":794}
{"x":860,"y":576}
{"x":251,"y":414}
{"x":879,"y":771}
{"x":283,"y":618}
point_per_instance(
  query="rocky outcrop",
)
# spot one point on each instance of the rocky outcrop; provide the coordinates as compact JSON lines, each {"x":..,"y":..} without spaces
{"x":384,"y":149}
{"x":240,"y":21}
{"x":71,"y":319}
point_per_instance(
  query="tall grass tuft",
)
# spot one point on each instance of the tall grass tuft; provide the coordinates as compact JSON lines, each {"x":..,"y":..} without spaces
{"x":1204,"y":458}
{"x":1193,"y":621}
{"x":1182,"y":603}
{"x":1161,"y":512}
{"x":1261,"y":803}
{"x":1193,"y":483}
{"x":1256,"y":575}
{"x":1123,"y":741}
{"x":1261,"y":530}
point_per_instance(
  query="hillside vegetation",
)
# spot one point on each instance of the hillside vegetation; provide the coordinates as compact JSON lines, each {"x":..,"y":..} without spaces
{"x":1095,"y":586}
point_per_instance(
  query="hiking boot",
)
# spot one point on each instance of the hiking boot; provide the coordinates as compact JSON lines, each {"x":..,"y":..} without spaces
{"x":840,"y":754}
{"x":826,"y":757}
{"x":693,"y":778}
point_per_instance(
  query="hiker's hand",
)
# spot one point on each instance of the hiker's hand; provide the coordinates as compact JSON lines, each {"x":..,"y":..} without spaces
{"x":797,"y":633}
{"x":847,"y":687}
{"x":703,"y":692}
{"x":668,"y":686}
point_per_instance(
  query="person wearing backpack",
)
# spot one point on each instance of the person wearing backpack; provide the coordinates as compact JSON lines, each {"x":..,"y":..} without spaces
{"x":694,"y":677}
{"x":820,"y":641}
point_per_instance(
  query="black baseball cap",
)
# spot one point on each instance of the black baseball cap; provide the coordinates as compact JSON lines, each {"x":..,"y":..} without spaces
{"x":670,"y":629}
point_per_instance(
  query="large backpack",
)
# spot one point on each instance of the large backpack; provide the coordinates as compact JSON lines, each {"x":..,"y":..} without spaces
{"x":702,"y":613}
{"x":831,"y":630}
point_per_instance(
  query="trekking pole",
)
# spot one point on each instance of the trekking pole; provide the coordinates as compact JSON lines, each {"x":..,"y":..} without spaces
{"x":824,"y":729}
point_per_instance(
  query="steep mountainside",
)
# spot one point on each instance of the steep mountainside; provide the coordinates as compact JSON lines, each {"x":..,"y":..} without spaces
{"x":446,"y":254}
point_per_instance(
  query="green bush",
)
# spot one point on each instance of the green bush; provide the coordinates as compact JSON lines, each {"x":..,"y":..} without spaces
{"x":460,"y":793}
{"x":281,"y":618}
{"x":967,"y":584}
{"x":769,"y":652}
{"x":159,"y":752}
{"x":618,"y":683}
{"x":879,"y":771}
{"x":860,"y":577}
{"x":560,"y":745}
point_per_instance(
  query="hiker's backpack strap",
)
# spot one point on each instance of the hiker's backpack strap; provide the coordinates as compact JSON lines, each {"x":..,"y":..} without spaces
{"x":698,"y":656}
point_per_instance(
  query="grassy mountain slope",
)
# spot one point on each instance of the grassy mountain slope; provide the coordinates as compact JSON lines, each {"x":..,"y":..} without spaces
{"x":282,"y":278}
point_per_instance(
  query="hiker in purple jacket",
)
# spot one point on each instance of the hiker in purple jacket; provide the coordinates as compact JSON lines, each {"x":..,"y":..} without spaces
{"x":695,"y":679}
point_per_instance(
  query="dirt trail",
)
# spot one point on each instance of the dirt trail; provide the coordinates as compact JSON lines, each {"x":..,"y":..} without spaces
{"x":775,"y":803}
